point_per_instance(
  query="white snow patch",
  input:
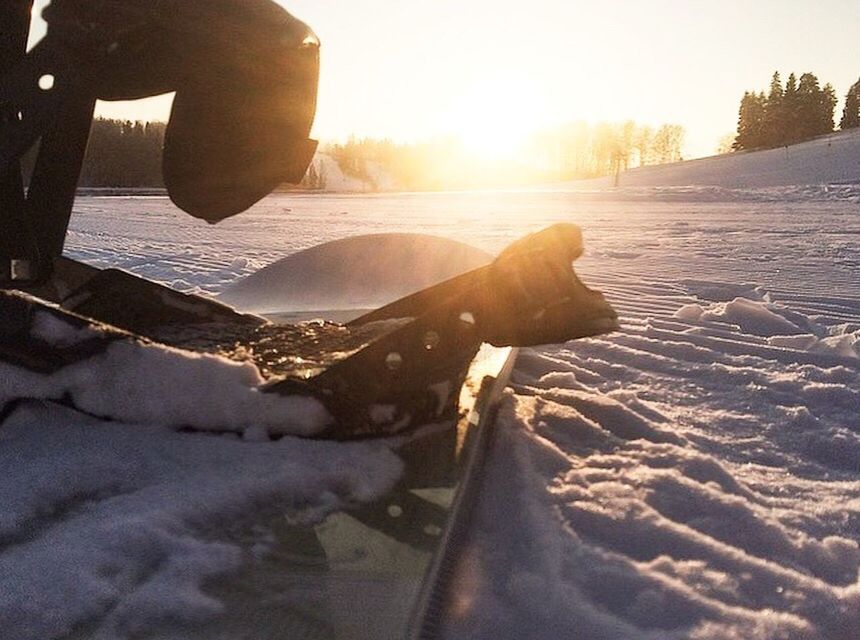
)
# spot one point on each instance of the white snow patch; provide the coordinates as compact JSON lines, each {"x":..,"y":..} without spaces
{"x":758,"y":317}
{"x":138,"y":382}
{"x":752,"y":316}
{"x":673,"y":482}
{"x":847,"y":346}
{"x":118,"y":527}
{"x":54,"y":331}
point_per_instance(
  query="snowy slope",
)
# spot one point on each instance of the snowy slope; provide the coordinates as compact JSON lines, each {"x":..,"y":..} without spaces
{"x":696,"y":475}
{"x":832,"y":159}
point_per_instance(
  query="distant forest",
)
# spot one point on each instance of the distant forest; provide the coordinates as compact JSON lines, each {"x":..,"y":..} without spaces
{"x":572,"y":151}
{"x":120,"y":154}
{"x":798,"y":110}
{"x":124,"y":154}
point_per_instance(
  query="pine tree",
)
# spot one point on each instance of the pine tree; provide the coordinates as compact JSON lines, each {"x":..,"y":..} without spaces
{"x":742,"y":138}
{"x":851,"y":113}
{"x":751,"y":134}
{"x":826,"y":109}
{"x":809,"y":107}
{"x":790,"y":110}
{"x":774,"y":120}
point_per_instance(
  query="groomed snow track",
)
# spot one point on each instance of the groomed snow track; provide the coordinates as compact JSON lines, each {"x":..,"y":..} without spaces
{"x":692,"y":476}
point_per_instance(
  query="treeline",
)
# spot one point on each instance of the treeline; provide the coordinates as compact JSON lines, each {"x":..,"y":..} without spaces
{"x":798,"y":110}
{"x":126,"y":154}
{"x":573,"y":151}
{"x":583,"y":150}
{"x":122,"y":153}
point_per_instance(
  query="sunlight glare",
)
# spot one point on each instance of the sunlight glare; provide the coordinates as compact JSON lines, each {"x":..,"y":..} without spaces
{"x":494,"y":118}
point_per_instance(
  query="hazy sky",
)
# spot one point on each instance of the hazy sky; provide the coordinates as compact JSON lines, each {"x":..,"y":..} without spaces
{"x":485,"y":70}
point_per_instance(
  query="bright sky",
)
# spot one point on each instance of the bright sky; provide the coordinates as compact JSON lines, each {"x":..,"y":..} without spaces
{"x":484,"y":69}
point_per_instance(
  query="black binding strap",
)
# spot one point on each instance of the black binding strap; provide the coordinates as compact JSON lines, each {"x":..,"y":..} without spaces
{"x":17,"y":246}
{"x":33,"y":225}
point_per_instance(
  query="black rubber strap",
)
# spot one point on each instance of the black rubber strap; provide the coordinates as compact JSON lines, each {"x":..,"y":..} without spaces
{"x":15,"y":240}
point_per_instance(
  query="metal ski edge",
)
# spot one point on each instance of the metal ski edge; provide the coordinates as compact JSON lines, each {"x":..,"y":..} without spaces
{"x":428,"y":613}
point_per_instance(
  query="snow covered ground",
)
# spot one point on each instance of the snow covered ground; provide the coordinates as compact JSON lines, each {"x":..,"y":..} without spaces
{"x":695,"y":475}
{"x":829,"y":164}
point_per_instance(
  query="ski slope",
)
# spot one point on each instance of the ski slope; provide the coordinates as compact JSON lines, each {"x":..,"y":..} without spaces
{"x":695,"y":475}
{"x":832,"y":160}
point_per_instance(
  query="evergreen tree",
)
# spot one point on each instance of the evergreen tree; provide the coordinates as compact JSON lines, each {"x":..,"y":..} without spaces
{"x":799,"y":111}
{"x":826,"y":109}
{"x":790,"y":110}
{"x":123,"y":154}
{"x":750,"y":133}
{"x":809,"y":107}
{"x":742,"y":136}
{"x":851,"y":113}
{"x":774,"y":116}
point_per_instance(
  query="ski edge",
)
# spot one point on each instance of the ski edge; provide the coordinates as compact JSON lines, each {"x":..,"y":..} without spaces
{"x":428,"y":612}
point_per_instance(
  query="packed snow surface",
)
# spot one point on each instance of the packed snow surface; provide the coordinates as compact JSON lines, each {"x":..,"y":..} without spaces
{"x":694,"y":475}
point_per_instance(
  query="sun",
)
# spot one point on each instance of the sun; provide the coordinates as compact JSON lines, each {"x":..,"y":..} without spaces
{"x":495,"y":118}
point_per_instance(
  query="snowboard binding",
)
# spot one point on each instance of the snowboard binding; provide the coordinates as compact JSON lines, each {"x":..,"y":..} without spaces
{"x":395,"y":369}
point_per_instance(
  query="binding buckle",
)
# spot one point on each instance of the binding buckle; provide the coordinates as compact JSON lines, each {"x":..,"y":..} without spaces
{"x":17,"y":272}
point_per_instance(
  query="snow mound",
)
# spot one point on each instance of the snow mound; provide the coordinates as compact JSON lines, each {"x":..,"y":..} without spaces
{"x":145,"y":383}
{"x":361,"y":272}
{"x":781,"y":326}
{"x":752,"y":316}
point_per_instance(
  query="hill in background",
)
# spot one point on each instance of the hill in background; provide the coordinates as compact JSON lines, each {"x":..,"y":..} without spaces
{"x":829,"y":159}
